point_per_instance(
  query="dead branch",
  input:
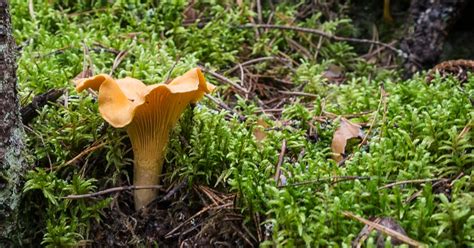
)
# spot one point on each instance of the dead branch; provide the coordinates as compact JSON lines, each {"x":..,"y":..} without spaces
{"x":326,"y":35}
{"x":112,"y":190}
{"x":390,"y":185}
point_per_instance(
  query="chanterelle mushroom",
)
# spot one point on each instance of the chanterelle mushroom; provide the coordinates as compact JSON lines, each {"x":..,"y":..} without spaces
{"x":148,"y":113}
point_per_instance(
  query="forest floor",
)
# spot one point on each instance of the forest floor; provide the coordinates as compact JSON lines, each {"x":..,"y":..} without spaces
{"x":310,"y":139}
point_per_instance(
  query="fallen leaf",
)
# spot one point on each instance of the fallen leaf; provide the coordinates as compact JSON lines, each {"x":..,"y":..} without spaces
{"x":346,"y":131}
{"x":87,"y":72}
{"x":259,"y":130}
{"x":380,"y":238}
{"x":334,"y":74}
{"x":190,"y":14}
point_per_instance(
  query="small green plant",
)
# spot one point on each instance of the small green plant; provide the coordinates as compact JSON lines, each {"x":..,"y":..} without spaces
{"x":67,"y":221}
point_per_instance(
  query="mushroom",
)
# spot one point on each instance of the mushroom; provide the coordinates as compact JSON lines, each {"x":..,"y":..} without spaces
{"x":148,"y":113}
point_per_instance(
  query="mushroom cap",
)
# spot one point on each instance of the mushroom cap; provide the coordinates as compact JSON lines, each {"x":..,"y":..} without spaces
{"x":119,"y":100}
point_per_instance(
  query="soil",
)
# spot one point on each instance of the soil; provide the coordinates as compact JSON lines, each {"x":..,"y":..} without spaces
{"x":182,"y":216}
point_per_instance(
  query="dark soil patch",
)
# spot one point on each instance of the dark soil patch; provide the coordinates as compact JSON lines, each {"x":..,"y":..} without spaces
{"x":181,"y":217}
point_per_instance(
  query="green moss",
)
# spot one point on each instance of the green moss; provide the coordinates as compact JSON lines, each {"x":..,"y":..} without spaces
{"x":416,"y":133}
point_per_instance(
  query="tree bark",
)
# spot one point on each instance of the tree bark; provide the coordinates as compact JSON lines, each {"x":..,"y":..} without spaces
{"x":12,"y":166}
{"x":432,"y":20}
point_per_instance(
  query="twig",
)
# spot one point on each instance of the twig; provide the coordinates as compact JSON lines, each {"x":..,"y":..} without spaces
{"x":294,"y":93}
{"x":174,"y":190}
{"x":465,"y":130}
{"x":30,"y":111}
{"x":86,"y":151}
{"x":171,"y":70}
{"x":97,"y":47}
{"x":280,"y":162}
{"x":210,"y":194}
{"x":226,"y":107}
{"x":111,"y":190}
{"x":377,"y":51}
{"x":268,"y":110}
{"x":86,"y":12}
{"x":385,"y":230}
{"x":224,"y":79}
{"x":88,"y":67}
{"x":318,"y":48}
{"x":381,"y":101}
{"x":242,"y":74}
{"x":259,"y":12}
{"x":253,"y":61}
{"x":390,"y":185}
{"x":242,"y":79}
{"x":31,"y":9}
{"x":242,"y":235}
{"x":338,"y":178}
{"x":323,"y":34}
{"x":169,"y":234}
{"x":118,"y":59}
{"x":298,"y":47}
{"x":57,"y":51}
{"x":347,"y":116}
{"x":256,"y":221}
{"x":456,"y":178}
{"x":418,"y":193}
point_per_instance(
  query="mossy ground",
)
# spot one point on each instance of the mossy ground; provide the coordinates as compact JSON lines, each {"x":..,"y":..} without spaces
{"x":215,"y":166}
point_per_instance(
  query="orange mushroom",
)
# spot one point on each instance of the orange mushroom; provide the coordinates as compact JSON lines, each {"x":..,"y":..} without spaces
{"x":148,"y":113}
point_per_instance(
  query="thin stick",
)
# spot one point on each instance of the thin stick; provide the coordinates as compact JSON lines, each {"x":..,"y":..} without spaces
{"x":268,"y":110}
{"x":254,"y":61}
{"x":242,"y":235}
{"x":390,"y":185}
{"x":377,"y":51}
{"x":224,"y":79}
{"x":86,"y":151}
{"x":118,"y":59}
{"x":242,"y":74}
{"x":242,"y":78}
{"x":225,"y":106}
{"x":88,"y":67}
{"x":324,"y":34}
{"x":31,"y":9}
{"x":294,"y":93}
{"x":256,"y":221}
{"x":111,"y":190}
{"x":339,"y":178}
{"x":97,"y":47}
{"x":169,"y":234}
{"x":466,"y":129}
{"x":347,"y":116}
{"x":385,"y":230}
{"x":168,"y":77}
{"x":280,"y":162}
{"x":456,"y":178}
{"x":381,"y":101}
{"x":259,"y":12}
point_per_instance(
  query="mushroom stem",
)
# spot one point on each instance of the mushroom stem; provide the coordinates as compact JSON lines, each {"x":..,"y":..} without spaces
{"x":146,"y":172}
{"x":148,"y":151}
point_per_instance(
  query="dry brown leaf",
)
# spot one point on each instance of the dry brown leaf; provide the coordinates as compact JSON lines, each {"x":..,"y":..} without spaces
{"x":334,"y":74}
{"x":190,"y":14}
{"x":87,"y":72}
{"x":383,"y":226}
{"x":346,"y":131}
{"x":259,"y":130}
